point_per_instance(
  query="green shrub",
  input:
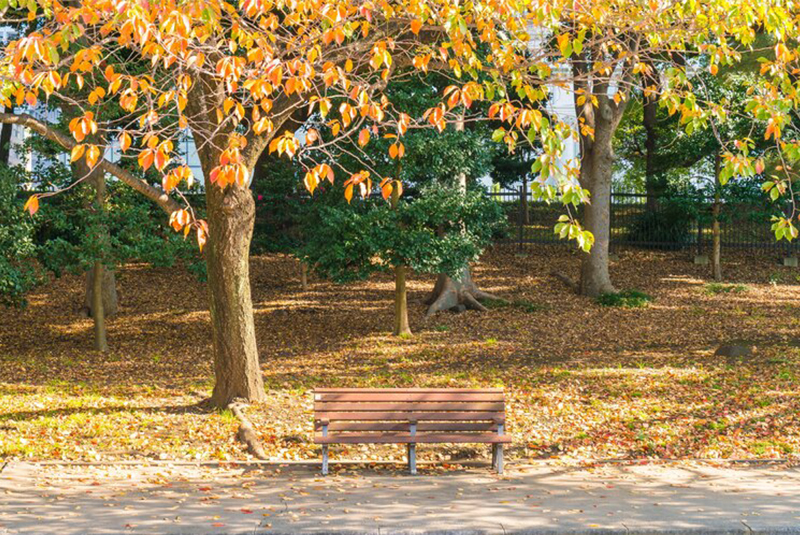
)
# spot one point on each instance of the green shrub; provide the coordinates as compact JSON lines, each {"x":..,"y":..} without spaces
{"x":624,"y":299}
{"x":18,"y":269}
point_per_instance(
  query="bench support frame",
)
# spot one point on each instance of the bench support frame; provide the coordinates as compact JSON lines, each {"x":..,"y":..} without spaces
{"x":325,"y":449}
{"x":497,"y":451}
{"x":412,"y":449}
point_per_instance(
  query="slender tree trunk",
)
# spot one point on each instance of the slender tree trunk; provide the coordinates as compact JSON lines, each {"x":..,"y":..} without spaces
{"x":303,"y":275}
{"x":401,"y":326}
{"x":231,"y":215}
{"x":100,"y":340}
{"x":96,"y":278}
{"x":5,"y":139}
{"x":716,"y":250}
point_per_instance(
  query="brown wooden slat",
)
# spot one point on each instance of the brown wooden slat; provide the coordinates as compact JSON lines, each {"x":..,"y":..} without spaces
{"x":405,"y":438}
{"x":392,"y":407}
{"x":467,"y":416}
{"x":403,"y":426}
{"x":400,"y":397}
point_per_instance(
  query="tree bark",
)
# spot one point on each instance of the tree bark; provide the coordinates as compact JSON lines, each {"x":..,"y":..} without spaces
{"x":100,"y":339}
{"x":401,"y":326}
{"x":596,"y":177}
{"x":303,"y":276}
{"x":95,"y":290}
{"x":716,"y":250}
{"x":597,"y":158}
{"x":653,"y":182}
{"x":5,"y":139}
{"x":231,"y":215}
{"x":109,"y":293}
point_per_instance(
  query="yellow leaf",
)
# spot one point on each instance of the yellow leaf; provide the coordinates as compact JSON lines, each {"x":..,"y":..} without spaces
{"x":32,"y":204}
{"x":92,"y":155}
{"x":77,"y":152}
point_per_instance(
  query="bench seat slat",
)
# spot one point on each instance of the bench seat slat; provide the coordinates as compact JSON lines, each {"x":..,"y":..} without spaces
{"x":399,"y":406}
{"x":415,"y":415}
{"x":403,"y":426}
{"x":408,"y":397}
{"x":406,"y":438}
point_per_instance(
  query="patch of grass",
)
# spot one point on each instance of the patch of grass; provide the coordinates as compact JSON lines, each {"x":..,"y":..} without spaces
{"x":227,"y":416}
{"x":717,"y":288}
{"x":624,"y":299}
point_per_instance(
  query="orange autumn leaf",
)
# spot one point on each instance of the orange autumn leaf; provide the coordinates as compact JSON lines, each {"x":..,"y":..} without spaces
{"x":32,"y":204}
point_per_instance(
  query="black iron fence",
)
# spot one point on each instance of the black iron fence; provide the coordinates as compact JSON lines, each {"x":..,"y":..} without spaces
{"x":666,"y":222}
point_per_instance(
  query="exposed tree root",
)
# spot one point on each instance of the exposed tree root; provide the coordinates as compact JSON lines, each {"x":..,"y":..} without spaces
{"x":245,"y":434}
{"x":449,"y":294}
{"x":571,"y":284}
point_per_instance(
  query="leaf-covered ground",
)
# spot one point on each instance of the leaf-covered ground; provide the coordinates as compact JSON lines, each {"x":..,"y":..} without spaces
{"x":583,"y":381}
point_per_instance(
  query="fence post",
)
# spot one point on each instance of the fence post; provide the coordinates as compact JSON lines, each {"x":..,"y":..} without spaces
{"x":520,"y":218}
{"x":699,"y":235}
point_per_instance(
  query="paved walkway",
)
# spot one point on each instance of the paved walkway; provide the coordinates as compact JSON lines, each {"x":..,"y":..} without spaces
{"x":263,"y":498}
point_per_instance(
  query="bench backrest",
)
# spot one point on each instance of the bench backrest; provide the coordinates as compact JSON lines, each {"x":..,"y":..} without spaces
{"x":376,"y":410}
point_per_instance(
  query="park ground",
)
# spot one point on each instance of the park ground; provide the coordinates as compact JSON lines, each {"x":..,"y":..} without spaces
{"x":584,"y":382}
{"x":247,"y":498}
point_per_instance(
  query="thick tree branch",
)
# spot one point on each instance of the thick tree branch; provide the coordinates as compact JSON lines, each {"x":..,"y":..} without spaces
{"x":154,"y":194}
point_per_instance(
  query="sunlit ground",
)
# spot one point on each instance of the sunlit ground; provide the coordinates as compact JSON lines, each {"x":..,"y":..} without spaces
{"x":583,"y":382}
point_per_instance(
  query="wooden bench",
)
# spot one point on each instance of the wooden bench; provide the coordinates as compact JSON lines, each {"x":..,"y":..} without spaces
{"x":410,"y":416}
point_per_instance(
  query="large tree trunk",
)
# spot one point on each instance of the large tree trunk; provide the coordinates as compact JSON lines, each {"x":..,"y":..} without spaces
{"x":716,"y":250}
{"x":456,"y":295}
{"x":231,"y":215}
{"x":597,"y":159}
{"x":596,"y":177}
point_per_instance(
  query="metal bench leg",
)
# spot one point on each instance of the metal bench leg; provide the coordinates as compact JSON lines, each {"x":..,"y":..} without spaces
{"x":412,"y":448}
{"x":325,"y":449}
{"x":412,"y":459}
{"x":498,"y":463}
{"x":498,"y":450}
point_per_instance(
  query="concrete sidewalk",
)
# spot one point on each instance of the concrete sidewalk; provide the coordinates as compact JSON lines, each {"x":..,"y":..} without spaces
{"x":263,"y":498}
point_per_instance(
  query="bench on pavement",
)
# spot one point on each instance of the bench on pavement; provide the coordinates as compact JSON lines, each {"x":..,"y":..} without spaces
{"x":410,"y":416}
